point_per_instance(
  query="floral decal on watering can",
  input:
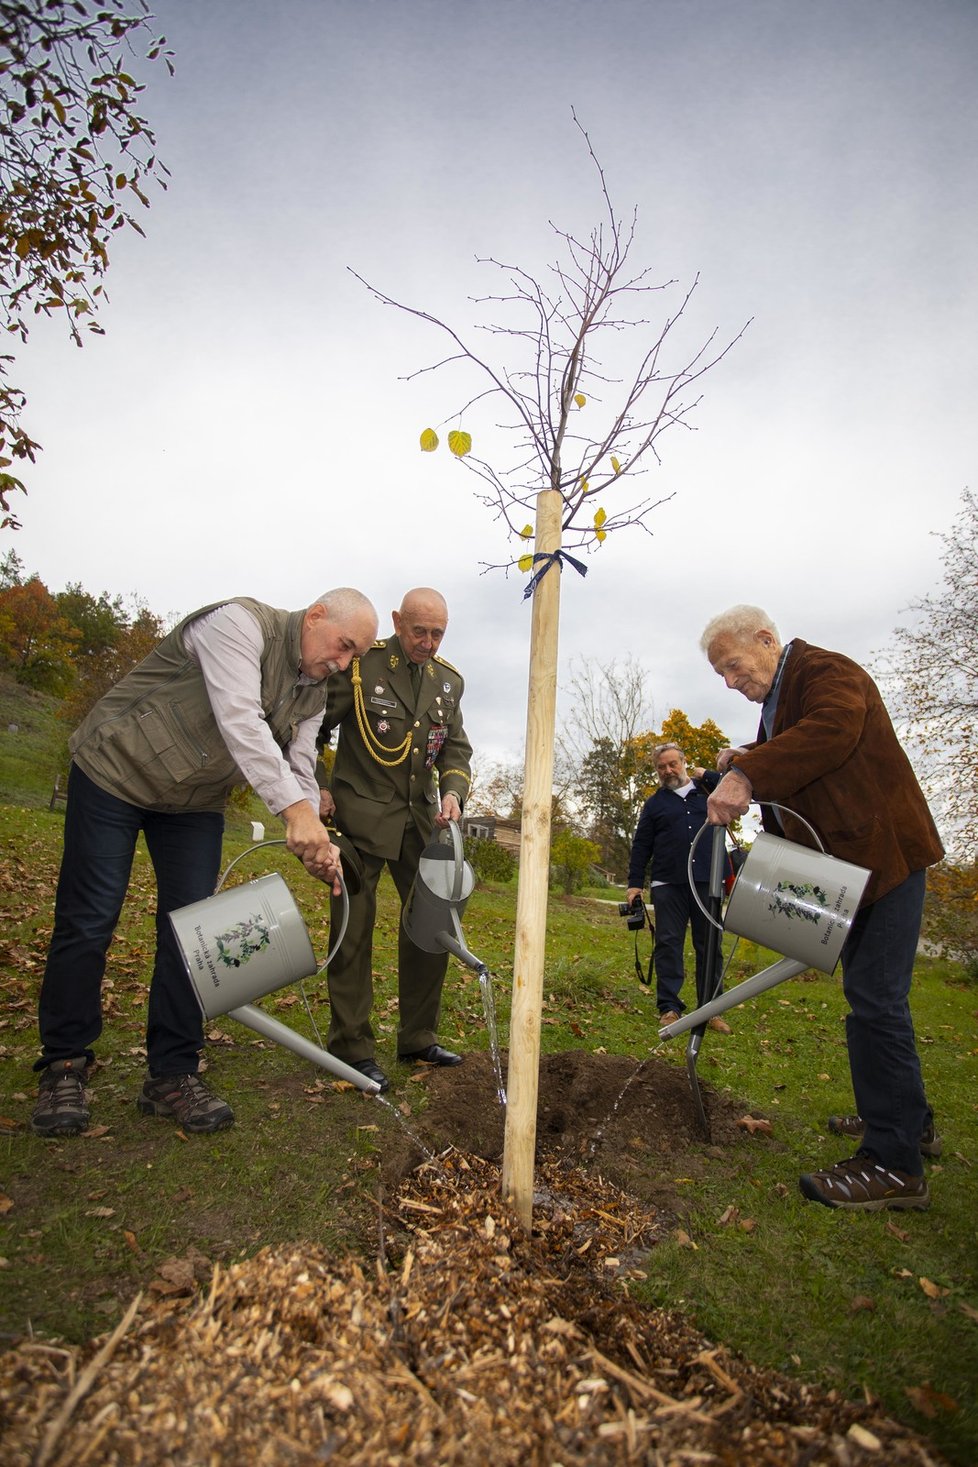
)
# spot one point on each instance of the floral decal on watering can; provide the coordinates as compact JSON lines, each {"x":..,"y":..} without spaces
{"x":242,"y":941}
{"x":801,"y":902}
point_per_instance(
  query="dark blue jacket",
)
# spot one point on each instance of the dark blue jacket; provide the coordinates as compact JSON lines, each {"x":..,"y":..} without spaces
{"x":665,"y":832}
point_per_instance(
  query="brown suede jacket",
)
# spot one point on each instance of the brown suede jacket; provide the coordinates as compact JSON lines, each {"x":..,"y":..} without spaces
{"x":834,"y":757}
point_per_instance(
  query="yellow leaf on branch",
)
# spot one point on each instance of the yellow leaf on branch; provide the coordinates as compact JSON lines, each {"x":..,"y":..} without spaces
{"x":615,"y":464}
{"x":460,"y":443}
{"x":526,"y":531}
{"x":580,"y":399}
{"x":429,"y":440}
{"x":599,"y":518}
{"x":525,"y":562}
{"x":601,"y":535}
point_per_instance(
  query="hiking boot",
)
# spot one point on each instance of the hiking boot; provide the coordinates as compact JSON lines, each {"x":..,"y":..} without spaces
{"x":863,"y":1185}
{"x":853,"y":1128}
{"x":62,"y":1100}
{"x":718,"y":1025}
{"x":188,"y":1101}
{"x":669,"y":1017}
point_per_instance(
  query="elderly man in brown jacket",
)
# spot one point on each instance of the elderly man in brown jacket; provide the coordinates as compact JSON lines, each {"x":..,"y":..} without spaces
{"x":826,"y":748}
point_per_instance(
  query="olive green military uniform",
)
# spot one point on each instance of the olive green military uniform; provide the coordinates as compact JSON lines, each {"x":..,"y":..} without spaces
{"x":398,"y":723}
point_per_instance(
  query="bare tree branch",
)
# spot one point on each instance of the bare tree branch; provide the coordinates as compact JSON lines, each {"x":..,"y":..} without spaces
{"x":551,"y":404}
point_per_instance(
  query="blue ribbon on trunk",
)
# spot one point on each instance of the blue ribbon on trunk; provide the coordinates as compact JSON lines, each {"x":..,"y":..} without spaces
{"x":551,"y":557}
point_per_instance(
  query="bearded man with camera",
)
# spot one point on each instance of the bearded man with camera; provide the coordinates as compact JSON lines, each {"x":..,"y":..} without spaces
{"x":666,"y":827}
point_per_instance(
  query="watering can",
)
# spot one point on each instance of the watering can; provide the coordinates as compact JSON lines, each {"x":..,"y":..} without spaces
{"x":244,"y":943}
{"x":790,"y":899}
{"x":442,"y":886}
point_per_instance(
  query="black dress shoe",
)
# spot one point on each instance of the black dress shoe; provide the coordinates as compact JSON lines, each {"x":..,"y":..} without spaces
{"x":433,"y":1055}
{"x":372,"y":1070}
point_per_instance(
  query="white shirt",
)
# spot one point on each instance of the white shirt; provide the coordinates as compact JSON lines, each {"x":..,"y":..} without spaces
{"x":227,"y":645}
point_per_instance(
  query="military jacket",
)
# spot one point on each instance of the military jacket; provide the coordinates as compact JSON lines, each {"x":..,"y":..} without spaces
{"x":153,"y":739}
{"x":391,"y":740}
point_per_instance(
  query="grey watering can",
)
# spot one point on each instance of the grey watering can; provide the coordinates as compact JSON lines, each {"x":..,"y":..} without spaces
{"x":442,"y":887}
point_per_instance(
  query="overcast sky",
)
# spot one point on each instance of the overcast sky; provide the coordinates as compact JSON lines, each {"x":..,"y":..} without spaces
{"x":244,"y":428}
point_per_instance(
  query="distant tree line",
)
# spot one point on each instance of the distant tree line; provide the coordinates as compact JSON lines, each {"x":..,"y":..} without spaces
{"x":69,"y":643}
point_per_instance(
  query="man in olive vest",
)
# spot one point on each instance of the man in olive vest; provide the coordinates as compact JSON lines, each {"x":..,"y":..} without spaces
{"x":233,"y":695}
{"x":402,"y":768}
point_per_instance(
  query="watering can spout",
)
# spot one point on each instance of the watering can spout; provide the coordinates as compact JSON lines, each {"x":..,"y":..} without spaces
{"x":270,"y":1028}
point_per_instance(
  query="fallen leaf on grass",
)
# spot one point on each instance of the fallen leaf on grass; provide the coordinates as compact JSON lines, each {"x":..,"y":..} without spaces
{"x":928,"y":1401}
{"x":131,"y":1242}
{"x":748,"y":1224}
{"x":755,"y":1126}
{"x":685,"y":1241}
{"x":863,"y":1438}
{"x":932,"y":1290}
{"x":95,"y":1133}
{"x":181,"y":1275}
{"x":900,"y":1233}
{"x":862,"y":1301}
{"x":6,"y":1203}
{"x":728,"y":1215}
{"x":100,"y":1212}
{"x":968,"y":1310}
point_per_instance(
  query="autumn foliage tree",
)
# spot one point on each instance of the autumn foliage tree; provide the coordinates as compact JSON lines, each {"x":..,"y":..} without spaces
{"x":70,"y":644}
{"x":36,"y":640}
{"x":75,"y":160}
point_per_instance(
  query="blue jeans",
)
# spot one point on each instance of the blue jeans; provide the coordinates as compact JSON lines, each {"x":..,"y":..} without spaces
{"x":675,"y":910}
{"x":100,"y":840}
{"x":877,"y":967}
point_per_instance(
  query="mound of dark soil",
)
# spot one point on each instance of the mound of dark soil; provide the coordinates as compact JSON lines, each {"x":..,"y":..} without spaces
{"x":606,"y":1112}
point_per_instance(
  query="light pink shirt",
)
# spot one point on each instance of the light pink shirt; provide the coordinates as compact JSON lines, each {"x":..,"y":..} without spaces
{"x":227,"y":645}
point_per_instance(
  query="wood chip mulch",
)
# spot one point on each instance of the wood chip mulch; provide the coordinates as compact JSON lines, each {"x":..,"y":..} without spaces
{"x":466,"y":1343}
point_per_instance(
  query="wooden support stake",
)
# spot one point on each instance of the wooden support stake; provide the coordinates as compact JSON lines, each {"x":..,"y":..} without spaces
{"x":523,"y":1078}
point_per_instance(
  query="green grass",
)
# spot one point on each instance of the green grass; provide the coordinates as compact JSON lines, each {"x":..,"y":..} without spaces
{"x":831,"y":1297}
{"x":33,"y":744}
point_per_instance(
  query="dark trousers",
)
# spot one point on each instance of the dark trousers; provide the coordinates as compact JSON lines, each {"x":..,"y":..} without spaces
{"x":675,"y":910}
{"x":100,"y":841}
{"x":877,"y":968}
{"x":421,"y":975}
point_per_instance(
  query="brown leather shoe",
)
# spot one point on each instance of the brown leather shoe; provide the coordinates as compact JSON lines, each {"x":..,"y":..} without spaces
{"x":668,"y":1018}
{"x":718,"y":1025}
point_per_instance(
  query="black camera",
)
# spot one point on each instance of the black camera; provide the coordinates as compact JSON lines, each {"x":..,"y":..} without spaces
{"x":633,"y":912}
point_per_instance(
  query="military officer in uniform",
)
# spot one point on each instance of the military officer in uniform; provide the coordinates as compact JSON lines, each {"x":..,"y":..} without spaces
{"x":402,"y":768}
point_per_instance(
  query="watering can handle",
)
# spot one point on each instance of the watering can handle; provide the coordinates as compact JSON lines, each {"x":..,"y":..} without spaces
{"x":344,"y":894}
{"x":452,"y":836}
{"x":706,"y":826}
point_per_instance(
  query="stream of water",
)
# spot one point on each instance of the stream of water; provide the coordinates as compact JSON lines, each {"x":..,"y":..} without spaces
{"x":489,"y":1009}
{"x":614,"y":1109}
